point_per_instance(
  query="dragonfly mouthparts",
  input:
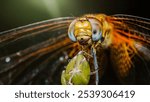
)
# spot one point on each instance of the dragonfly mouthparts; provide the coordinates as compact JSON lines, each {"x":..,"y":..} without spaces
{"x":83,"y":41}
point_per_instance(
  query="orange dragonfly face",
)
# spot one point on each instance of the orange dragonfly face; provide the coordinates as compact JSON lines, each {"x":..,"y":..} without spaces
{"x":37,"y":53}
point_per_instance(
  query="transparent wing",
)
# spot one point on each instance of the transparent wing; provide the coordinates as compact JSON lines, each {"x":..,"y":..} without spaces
{"x":36,"y":53}
{"x":137,"y":30}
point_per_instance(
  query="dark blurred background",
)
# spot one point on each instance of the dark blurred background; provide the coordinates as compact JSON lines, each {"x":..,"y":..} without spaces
{"x":15,"y":13}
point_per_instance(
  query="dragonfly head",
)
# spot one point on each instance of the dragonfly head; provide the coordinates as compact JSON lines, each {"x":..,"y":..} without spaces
{"x":85,"y":30}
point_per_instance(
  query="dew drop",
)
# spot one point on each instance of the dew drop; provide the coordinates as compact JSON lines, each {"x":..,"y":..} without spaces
{"x":18,"y":53}
{"x":61,"y":58}
{"x":66,"y":57}
{"x":7,"y":59}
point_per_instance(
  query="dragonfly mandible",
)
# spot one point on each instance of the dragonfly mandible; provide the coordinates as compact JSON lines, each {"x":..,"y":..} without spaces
{"x":37,"y":53}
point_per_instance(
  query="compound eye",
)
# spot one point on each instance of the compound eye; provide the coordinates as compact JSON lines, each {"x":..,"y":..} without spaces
{"x":71,"y":31}
{"x":96,"y":31}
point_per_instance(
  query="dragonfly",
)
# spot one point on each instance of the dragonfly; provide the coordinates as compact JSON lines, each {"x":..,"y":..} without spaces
{"x":117,"y":49}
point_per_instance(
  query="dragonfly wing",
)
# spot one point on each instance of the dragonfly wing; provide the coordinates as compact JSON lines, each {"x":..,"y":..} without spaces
{"x":131,"y":57}
{"x":139,"y":25}
{"x":36,"y":53}
{"x":122,"y":64}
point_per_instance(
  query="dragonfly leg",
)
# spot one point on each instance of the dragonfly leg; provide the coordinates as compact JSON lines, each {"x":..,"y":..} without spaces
{"x":94,"y":72}
{"x":93,"y":51}
{"x":74,"y":50}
